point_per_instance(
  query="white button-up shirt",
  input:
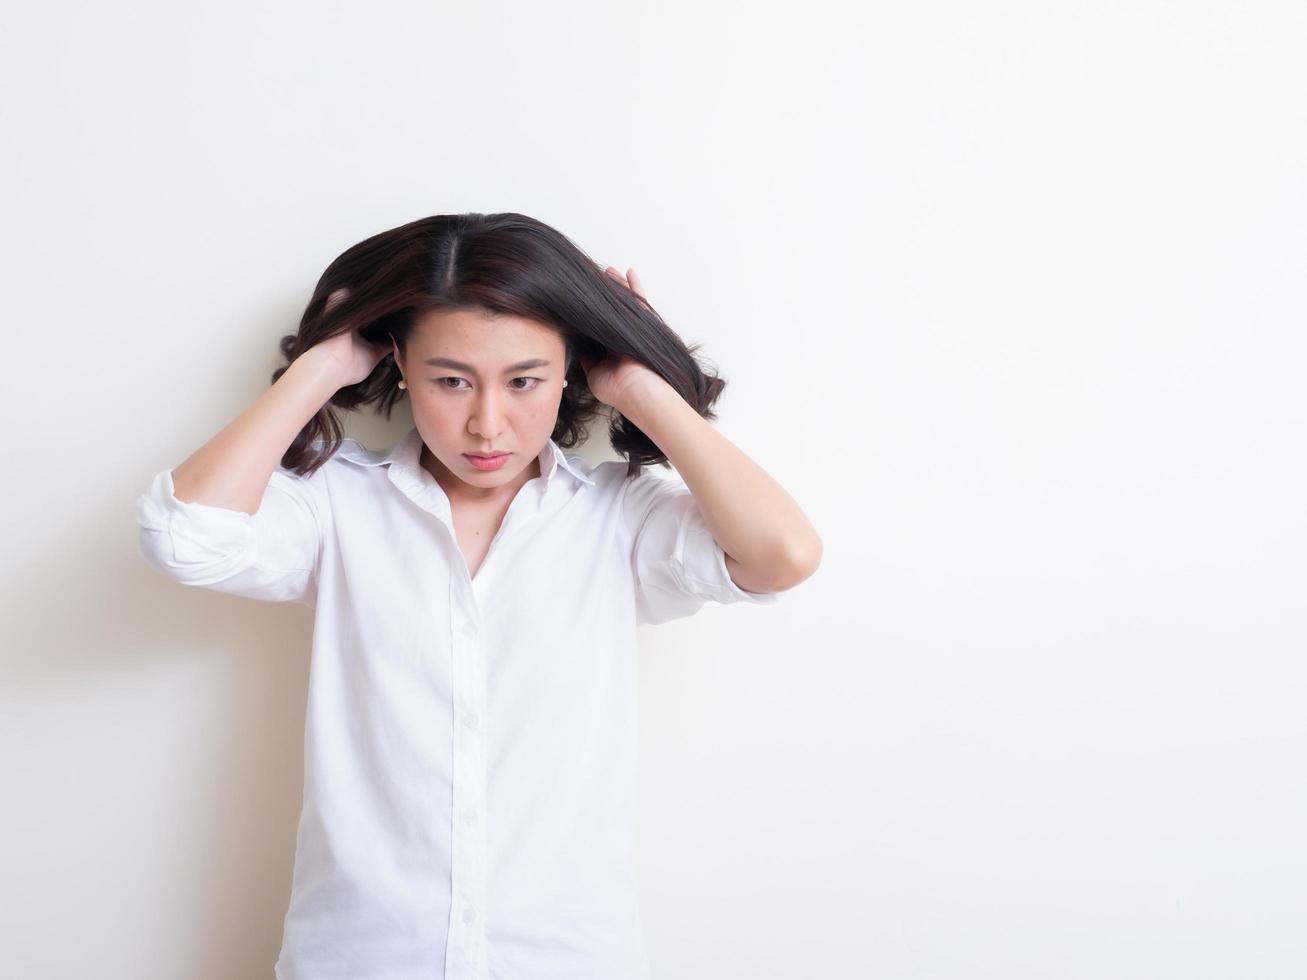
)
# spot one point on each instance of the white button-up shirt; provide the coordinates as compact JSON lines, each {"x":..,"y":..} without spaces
{"x":470,"y":755}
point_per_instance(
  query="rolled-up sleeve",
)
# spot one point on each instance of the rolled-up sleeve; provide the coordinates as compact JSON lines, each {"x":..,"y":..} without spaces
{"x":676,"y":562}
{"x":273,"y":554}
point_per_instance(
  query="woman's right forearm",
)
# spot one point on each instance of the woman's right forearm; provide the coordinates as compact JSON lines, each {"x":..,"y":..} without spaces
{"x":233,"y":468}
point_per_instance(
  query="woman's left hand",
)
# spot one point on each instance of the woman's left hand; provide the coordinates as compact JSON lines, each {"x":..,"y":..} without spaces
{"x":613,"y":380}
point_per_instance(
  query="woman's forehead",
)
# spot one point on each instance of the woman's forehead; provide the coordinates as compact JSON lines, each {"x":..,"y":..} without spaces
{"x":483,"y":339}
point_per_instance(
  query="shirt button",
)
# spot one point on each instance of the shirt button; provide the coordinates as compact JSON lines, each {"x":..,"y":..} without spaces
{"x":471,"y":721}
{"x":469,"y":915}
{"x":469,"y":815}
{"x":469,"y":629}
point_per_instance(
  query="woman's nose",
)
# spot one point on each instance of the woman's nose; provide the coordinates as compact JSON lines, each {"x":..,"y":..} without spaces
{"x":487,"y":415}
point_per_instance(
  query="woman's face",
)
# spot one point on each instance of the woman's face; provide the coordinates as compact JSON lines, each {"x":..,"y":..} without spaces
{"x":484,"y":398}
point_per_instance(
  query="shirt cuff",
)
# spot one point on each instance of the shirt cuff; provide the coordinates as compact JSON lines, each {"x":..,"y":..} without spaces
{"x":701,"y":563}
{"x":198,"y":532}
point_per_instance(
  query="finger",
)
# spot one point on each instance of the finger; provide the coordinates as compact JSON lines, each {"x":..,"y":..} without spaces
{"x":634,"y":282}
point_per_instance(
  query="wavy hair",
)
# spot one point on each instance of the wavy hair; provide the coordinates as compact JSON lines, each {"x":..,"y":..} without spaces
{"x":504,"y":263}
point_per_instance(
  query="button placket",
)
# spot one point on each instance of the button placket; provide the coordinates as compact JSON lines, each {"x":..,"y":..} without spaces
{"x":466,"y":948}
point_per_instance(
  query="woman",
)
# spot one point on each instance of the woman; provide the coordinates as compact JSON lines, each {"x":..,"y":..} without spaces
{"x":470,"y":744}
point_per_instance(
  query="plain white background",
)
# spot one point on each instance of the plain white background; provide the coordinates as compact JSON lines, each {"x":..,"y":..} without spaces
{"x":1008,"y":296}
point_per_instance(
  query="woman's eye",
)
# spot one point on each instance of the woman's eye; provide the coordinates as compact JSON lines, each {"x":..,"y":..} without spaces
{"x":441,"y":382}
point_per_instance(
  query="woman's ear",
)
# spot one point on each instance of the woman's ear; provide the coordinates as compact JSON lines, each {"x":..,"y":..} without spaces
{"x":394,"y":347}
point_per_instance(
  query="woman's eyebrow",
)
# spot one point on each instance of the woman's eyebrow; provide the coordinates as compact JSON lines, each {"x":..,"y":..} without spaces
{"x":447,"y":362}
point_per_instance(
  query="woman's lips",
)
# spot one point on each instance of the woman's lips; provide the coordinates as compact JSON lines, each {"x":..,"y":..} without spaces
{"x":487,"y":462}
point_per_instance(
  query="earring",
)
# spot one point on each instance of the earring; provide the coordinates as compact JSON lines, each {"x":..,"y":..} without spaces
{"x":564,"y":384}
{"x":402,"y":383}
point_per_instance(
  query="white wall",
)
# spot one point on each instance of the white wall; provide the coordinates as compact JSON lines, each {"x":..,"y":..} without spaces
{"x":1009,"y":298}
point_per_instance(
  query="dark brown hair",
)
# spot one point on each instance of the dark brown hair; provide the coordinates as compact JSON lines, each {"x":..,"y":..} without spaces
{"x":505,"y":263}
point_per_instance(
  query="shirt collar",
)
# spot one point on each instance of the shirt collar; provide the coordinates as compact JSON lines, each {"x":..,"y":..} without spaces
{"x":407,"y":452}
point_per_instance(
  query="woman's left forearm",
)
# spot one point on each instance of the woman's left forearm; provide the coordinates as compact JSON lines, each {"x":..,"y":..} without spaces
{"x":750,"y":515}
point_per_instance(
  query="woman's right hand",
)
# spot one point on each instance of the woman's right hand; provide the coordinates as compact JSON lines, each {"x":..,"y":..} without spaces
{"x":352,"y":358}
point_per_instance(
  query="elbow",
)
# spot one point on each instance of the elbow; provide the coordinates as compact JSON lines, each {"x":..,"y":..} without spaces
{"x":806,"y":558}
{"x":796,"y":564}
{"x":156,"y":547}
